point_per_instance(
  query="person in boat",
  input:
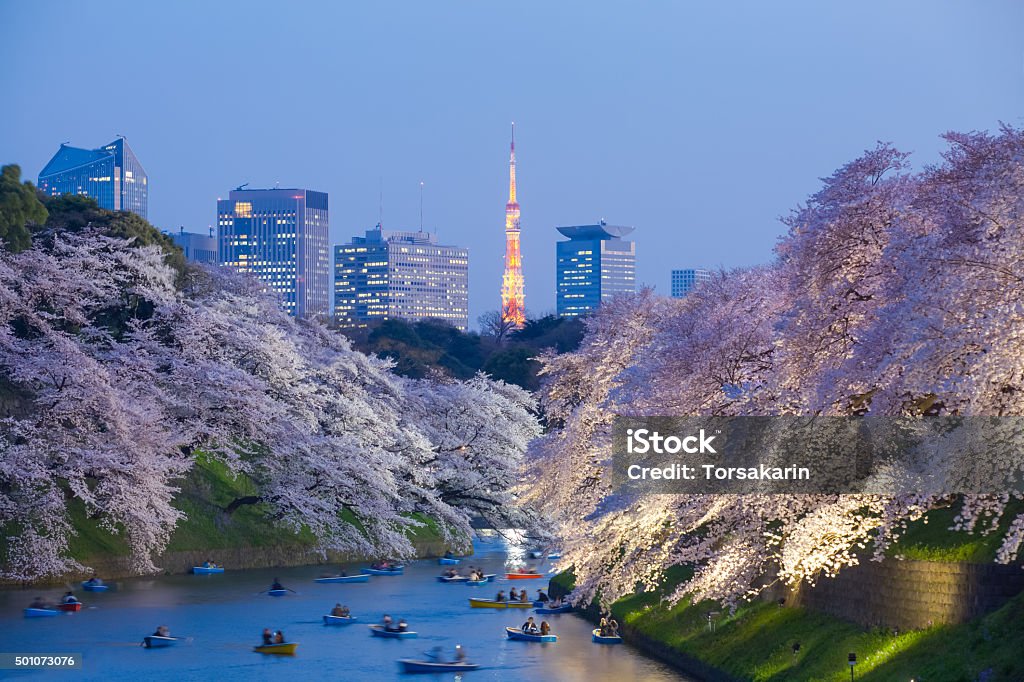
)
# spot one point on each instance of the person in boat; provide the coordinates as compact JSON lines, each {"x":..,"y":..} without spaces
{"x":545,"y":629}
{"x":343,"y":574}
{"x":276,"y":585}
{"x":268,"y":637}
{"x":402,"y":625}
{"x":449,"y":555}
{"x":542,"y":596}
{"x":524,"y":595}
{"x":460,"y":654}
{"x":501,"y":596}
{"x":386,"y":621}
{"x":162,"y":631}
{"x":94,"y":581}
{"x":529,"y":627}
{"x":209,"y":564}
{"x":279,"y":638}
{"x":613,"y":627}
{"x":338,"y":611}
{"x":37,"y":603}
{"x":69,"y":598}
{"x":603,"y":626}
{"x":513,"y":595}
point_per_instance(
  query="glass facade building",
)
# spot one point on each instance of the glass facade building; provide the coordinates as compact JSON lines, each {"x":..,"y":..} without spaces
{"x":684,"y":281}
{"x":112,"y":175}
{"x":280,"y":236}
{"x":199,"y":248}
{"x":405,"y":275}
{"x":594,"y":265}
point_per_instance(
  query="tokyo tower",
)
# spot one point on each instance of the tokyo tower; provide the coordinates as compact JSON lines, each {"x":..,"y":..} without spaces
{"x":513,"y":300}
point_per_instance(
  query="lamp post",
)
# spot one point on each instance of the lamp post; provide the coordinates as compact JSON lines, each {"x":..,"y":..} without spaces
{"x":796,"y":649}
{"x":851,"y":658}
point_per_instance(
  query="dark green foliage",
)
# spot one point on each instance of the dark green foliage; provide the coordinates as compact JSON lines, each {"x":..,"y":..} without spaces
{"x":515,"y":366}
{"x":71,"y":213}
{"x":20,"y":209}
{"x":422,"y":348}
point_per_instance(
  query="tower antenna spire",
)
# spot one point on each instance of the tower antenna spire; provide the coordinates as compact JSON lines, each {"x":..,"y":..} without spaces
{"x":513,"y":300}
{"x":421,"y":205}
{"x":380,"y":207}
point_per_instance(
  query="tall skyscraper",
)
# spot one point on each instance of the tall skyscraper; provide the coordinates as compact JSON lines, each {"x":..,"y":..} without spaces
{"x":406,"y":275}
{"x":594,"y":265}
{"x":200,"y":248}
{"x":513,"y":297}
{"x":684,"y":281}
{"x":111,"y":175}
{"x":280,"y":236}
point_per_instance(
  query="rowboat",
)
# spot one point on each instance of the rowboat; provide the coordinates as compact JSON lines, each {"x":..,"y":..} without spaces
{"x":379,"y":631}
{"x":477,"y":582}
{"x":73,"y":606}
{"x":596,"y":636}
{"x":408,"y":665}
{"x":339,"y":620}
{"x":445,"y":561}
{"x":277,"y":593}
{"x":362,"y":578}
{"x":287,"y":648}
{"x":490,"y":577}
{"x":492,"y":604}
{"x":523,"y":576}
{"x":40,"y":613}
{"x":90,"y":587}
{"x":397,"y":570}
{"x":564,"y":608}
{"x":207,"y":570}
{"x":516,"y":633}
{"x":556,"y":555}
{"x":158,"y":642}
{"x":453,"y":579}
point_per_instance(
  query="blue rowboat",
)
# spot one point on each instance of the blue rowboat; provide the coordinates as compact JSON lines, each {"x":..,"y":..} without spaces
{"x":595,"y":636}
{"x":40,"y":613}
{"x":445,"y":561}
{"x":565,"y":608}
{"x":453,"y":579}
{"x":408,"y":665}
{"x":397,"y":570}
{"x":207,"y":570}
{"x":339,"y":620}
{"x":362,"y":578}
{"x":379,"y":631}
{"x":277,"y":593}
{"x":477,"y":582}
{"x":556,"y":555}
{"x":517,"y":634}
{"x":90,"y":587}
{"x":158,"y":642}
{"x":490,"y":577}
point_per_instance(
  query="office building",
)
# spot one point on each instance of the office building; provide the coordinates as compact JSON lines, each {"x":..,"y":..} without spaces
{"x":280,"y":236}
{"x":400,"y":275}
{"x":594,"y":265}
{"x":199,"y":248}
{"x":111,"y":175}
{"x":684,"y":281}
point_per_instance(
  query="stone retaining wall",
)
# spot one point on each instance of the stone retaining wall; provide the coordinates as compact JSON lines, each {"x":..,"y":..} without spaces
{"x":912,"y":594}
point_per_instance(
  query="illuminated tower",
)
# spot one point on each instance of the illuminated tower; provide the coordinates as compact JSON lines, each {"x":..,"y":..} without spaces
{"x":513,"y":301}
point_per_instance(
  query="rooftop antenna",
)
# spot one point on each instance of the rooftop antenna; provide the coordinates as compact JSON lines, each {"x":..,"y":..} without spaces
{"x":421,"y":205}
{"x":242,"y":186}
{"x":380,"y":207}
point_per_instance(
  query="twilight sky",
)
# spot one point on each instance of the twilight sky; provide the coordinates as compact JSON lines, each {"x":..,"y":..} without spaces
{"x":698,"y":124}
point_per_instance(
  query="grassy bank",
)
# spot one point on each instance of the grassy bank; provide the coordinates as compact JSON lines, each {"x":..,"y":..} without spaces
{"x":756,"y":642}
{"x":206,"y":492}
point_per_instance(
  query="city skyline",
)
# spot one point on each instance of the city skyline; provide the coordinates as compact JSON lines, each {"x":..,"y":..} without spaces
{"x":714,"y":100}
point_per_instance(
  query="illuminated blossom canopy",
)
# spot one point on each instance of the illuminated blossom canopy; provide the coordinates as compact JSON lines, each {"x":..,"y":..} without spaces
{"x":893,"y":293}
